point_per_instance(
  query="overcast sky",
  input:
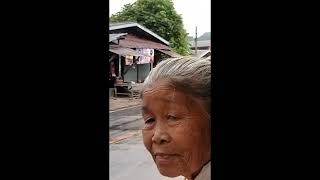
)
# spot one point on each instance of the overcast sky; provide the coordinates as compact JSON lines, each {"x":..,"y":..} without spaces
{"x":194,"y":13}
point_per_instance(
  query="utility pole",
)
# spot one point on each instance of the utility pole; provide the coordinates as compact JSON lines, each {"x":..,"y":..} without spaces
{"x":119,"y":60}
{"x":119,"y":65}
{"x":195,"y":43}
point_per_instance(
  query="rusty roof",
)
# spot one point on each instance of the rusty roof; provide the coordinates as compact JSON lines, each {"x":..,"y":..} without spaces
{"x":204,"y":43}
{"x":200,"y":53}
{"x":124,"y":51}
{"x":131,"y":41}
{"x":123,"y":25}
{"x":170,"y":53}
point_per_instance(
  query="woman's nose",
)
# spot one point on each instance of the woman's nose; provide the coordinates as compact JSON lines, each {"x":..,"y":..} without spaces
{"x":161,"y":135}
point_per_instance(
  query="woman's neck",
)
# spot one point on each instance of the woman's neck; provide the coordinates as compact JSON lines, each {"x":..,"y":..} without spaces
{"x":193,"y":175}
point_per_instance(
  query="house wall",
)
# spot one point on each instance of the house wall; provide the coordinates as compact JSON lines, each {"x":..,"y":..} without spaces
{"x":131,"y":75}
{"x":144,"y":70}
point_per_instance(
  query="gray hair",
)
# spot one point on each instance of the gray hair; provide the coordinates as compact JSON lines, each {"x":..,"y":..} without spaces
{"x":188,"y":74}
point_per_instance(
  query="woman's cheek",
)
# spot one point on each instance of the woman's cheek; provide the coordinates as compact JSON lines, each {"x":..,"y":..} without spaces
{"x":182,"y":133}
{"x":192,"y":131}
{"x":185,"y":126}
{"x":147,"y":139}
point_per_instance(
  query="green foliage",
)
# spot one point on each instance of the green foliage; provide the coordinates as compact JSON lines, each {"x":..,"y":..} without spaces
{"x":160,"y":17}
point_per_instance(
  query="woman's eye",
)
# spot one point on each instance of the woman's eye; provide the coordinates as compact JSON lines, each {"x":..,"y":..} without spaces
{"x":171,"y":117}
{"x":149,"y":121}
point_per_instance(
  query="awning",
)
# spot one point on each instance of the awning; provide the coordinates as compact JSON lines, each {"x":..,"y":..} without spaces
{"x":124,"y":51}
{"x":169,"y":52}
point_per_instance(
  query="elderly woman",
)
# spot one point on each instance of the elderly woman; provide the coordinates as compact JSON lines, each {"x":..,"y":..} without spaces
{"x":176,"y":111}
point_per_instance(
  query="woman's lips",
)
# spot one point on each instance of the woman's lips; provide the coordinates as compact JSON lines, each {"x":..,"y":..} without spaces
{"x":163,"y":158}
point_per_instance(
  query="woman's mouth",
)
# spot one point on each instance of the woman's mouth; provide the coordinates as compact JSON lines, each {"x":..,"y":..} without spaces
{"x":163,"y":158}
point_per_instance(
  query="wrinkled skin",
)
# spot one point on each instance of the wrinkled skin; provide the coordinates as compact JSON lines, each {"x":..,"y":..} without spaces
{"x":177,"y":126}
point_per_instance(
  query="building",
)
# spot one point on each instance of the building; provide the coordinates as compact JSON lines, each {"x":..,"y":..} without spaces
{"x":134,"y":50}
{"x":203,"y":46}
{"x":202,"y":53}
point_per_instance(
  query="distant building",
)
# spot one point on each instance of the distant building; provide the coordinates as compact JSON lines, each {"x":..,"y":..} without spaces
{"x":203,"y":42}
{"x":202,"y":53}
{"x":203,"y":46}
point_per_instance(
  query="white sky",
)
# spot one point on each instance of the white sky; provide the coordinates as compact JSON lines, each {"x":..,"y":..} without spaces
{"x":194,"y":13}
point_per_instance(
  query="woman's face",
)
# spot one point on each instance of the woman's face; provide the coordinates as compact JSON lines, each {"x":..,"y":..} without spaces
{"x":176,"y":130}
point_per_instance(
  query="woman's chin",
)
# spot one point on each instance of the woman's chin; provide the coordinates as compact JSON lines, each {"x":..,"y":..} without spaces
{"x":169,"y":172}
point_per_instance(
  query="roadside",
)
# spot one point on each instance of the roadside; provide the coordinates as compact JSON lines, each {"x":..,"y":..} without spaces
{"x":120,"y":103}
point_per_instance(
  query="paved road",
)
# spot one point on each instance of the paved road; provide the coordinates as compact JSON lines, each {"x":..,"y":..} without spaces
{"x":128,"y":157}
{"x":125,"y":121}
{"x":118,"y":117}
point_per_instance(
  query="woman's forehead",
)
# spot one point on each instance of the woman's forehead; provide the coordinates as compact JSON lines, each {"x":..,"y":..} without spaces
{"x":164,"y":91}
{"x":165,"y":94}
{"x":165,"y":97}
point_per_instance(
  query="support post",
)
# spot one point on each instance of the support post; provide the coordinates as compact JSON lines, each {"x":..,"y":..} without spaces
{"x":195,"y":43}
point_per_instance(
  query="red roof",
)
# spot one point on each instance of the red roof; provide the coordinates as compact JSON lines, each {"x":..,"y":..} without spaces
{"x":131,"y":41}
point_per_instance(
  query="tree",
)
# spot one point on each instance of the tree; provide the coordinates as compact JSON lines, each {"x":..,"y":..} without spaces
{"x":160,"y":17}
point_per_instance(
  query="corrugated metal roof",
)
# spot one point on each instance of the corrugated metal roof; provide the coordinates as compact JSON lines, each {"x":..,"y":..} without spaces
{"x":131,"y":41}
{"x":121,"y":25}
{"x":124,"y":51}
{"x":170,"y":53}
{"x":205,"y":43}
{"x":113,"y":37}
{"x":201,"y":53}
